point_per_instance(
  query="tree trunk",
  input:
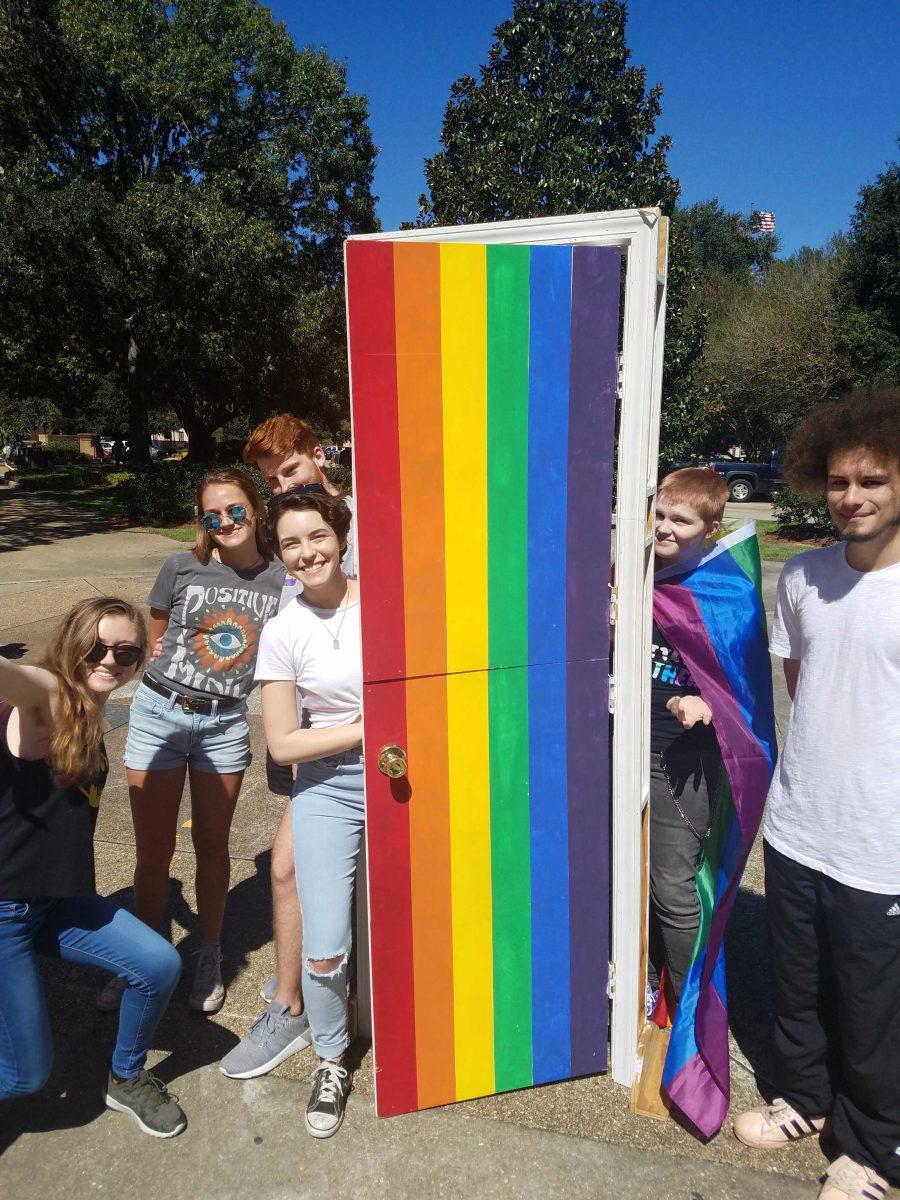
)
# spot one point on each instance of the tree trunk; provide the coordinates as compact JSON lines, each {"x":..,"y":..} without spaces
{"x":138,"y":429}
{"x":201,"y":443}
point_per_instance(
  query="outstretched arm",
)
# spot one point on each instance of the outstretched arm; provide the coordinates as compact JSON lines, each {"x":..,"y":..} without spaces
{"x":287,"y":742}
{"x":24,"y":686}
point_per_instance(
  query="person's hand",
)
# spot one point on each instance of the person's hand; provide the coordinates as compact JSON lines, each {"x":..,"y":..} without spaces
{"x":689,"y":710}
{"x":157,"y":649}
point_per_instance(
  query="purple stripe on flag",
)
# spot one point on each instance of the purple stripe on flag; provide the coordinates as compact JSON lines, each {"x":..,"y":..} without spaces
{"x":592,"y":384}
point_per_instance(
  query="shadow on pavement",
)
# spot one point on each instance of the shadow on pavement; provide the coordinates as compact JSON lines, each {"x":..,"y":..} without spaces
{"x":27,"y":520}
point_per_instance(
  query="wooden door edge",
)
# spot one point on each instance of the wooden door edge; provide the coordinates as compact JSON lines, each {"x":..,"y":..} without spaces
{"x":647,"y":1096}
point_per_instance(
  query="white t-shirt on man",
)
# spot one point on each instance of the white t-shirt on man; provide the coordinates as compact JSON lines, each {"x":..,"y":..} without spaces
{"x":834,"y":801}
{"x":299,"y":645}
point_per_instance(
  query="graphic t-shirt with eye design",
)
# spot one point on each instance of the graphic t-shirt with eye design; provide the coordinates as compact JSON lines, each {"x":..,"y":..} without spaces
{"x":216,"y":614}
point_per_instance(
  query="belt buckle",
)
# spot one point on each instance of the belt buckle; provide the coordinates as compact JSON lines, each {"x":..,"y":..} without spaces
{"x":187,"y":704}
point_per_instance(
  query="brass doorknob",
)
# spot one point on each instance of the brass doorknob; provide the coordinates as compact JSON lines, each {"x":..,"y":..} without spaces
{"x":392,"y":761}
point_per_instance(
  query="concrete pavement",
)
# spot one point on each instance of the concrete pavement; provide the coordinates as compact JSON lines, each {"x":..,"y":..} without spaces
{"x":571,"y":1139}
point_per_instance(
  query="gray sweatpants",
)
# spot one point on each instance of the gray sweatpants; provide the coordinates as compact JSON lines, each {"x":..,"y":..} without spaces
{"x":689,"y":767}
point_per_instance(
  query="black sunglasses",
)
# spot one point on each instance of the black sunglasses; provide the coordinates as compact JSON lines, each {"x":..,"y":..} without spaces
{"x":213,"y":522}
{"x":124,"y":654}
{"x":302,"y":489}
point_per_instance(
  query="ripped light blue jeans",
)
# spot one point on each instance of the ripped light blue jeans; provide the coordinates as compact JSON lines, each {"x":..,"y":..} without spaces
{"x":327,"y":823}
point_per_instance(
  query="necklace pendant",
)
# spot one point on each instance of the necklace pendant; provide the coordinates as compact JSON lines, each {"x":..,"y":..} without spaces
{"x":337,"y":644}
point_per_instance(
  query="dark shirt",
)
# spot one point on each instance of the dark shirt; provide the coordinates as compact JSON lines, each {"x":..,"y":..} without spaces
{"x":46,"y":831}
{"x":668,"y":677}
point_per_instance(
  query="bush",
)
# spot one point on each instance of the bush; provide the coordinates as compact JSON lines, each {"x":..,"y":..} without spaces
{"x":163,"y":493}
{"x":797,"y":513}
{"x":341,"y":477}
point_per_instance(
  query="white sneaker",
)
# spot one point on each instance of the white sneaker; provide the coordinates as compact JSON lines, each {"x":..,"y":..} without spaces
{"x":849,"y":1180}
{"x":773,"y":1125}
{"x":109,"y":997}
{"x":208,"y":991}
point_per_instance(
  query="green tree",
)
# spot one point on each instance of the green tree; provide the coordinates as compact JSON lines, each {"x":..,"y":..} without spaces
{"x":779,"y":347}
{"x":872,"y":278}
{"x":560,"y":121}
{"x":177,"y":181}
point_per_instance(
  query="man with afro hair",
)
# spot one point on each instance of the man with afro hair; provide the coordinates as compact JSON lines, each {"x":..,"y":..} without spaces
{"x":832,"y":827}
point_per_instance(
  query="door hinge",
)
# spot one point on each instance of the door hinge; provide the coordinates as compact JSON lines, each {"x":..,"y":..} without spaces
{"x":611,"y":980}
{"x":612,"y":694}
{"x":613,"y":604}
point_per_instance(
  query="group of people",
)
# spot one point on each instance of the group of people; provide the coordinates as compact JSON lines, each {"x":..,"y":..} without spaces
{"x":268,"y":595}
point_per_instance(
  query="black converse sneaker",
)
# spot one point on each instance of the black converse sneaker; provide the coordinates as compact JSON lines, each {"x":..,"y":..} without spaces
{"x":145,"y":1098}
{"x":328,"y":1099}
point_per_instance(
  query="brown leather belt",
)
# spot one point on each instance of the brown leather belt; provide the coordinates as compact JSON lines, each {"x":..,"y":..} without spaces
{"x":195,"y":704}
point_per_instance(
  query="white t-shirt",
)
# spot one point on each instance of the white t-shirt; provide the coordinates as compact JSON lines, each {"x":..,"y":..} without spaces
{"x":298,"y":644}
{"x":292,"y":587}
{"x":834,"y":801}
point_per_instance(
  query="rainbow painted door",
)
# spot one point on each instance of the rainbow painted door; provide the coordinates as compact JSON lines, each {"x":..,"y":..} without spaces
{"x":483,"y":385}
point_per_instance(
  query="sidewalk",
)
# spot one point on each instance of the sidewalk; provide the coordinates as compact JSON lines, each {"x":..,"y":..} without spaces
{"x":573,"y":1139}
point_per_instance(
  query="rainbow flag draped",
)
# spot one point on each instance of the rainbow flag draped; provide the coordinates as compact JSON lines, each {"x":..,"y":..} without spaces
{"x":711,"y":611}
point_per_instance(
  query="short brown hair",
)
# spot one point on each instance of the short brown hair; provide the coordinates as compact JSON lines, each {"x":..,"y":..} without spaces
{"x":203,"y":547}
{"x":700,"y":487}
{"x":868,"y":420}
{"x":331,"y":509}
{"x":280,"y":436}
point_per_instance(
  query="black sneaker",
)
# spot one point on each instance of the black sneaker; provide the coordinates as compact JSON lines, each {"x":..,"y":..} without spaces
{"x":327,"y":1100}
{"x":145,"y":1098}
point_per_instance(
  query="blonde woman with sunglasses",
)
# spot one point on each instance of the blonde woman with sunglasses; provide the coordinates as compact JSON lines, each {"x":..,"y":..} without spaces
{"x":189,"y":714}
{"x":53,"y":767}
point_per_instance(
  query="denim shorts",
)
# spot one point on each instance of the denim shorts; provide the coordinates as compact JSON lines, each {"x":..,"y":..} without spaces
{"x":161,"y":736}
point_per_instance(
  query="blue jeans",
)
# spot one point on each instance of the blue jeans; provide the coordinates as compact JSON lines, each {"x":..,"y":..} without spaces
{"x":94,"y":932}
{"x":327,"y":822}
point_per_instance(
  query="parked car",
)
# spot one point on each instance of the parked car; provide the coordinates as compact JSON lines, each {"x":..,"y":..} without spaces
{"x":748,"y":479}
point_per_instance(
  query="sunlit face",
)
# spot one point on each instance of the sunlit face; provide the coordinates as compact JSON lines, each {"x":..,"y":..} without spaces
{"x":309,"y":548}
{"x":863,"y":494}
{"x":679,"y":532}
{"x":115,"y":629}
{"x":218,"y":498}
{"x":282,"y":474}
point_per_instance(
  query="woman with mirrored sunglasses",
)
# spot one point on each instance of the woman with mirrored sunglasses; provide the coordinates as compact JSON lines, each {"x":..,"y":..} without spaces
{"x":53,"y":767}
{"x":189,"y":714}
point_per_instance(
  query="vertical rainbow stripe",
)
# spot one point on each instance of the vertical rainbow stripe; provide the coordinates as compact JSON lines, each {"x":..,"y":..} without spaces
{"x":484,"y":381}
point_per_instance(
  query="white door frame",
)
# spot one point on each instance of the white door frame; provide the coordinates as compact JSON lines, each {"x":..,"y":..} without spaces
{"x":642,"y":234}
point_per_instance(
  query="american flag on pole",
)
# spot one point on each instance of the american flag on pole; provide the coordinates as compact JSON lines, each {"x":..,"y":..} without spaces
{"x":766,"y":222}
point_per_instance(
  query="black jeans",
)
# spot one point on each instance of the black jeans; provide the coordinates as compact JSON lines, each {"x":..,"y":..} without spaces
{"x":836,"y":965}
{"x":689,"y":767}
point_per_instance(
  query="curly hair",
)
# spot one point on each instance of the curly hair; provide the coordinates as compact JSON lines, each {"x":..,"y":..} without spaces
{"x":867,"y":420}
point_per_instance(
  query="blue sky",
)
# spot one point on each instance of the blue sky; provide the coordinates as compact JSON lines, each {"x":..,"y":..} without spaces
{"x":790,"y":106}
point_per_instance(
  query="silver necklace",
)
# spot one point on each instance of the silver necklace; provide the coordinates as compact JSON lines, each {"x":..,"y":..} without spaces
{"x":335,"y":637}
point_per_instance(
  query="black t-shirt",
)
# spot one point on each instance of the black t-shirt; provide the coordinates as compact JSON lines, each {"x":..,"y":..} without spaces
{"x":46,"y":831}
{"x":668,"y":677}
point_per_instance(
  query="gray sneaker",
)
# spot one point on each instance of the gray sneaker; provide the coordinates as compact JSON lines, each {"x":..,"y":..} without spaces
{"x":273,"y":1038}
{"x":145,"y":1098}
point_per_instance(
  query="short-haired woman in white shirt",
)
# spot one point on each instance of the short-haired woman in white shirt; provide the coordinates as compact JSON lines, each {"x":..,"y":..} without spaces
{"x":312,"y":648}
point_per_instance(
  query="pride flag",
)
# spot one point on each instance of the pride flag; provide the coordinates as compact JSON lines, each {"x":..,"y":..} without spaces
{"x":711,"y":611}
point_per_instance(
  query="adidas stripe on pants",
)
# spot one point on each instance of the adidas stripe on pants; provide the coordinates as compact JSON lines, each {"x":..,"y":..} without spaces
{"x":836,"y":966}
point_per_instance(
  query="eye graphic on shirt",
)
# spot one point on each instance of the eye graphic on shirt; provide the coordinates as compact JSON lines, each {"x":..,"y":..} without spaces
{"x":227,"y":637}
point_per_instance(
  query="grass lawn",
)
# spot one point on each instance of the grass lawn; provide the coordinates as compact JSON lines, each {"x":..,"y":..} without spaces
{"x":180,"y":533}
{"x":87,"y":487}
{"x":773,"y":548}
